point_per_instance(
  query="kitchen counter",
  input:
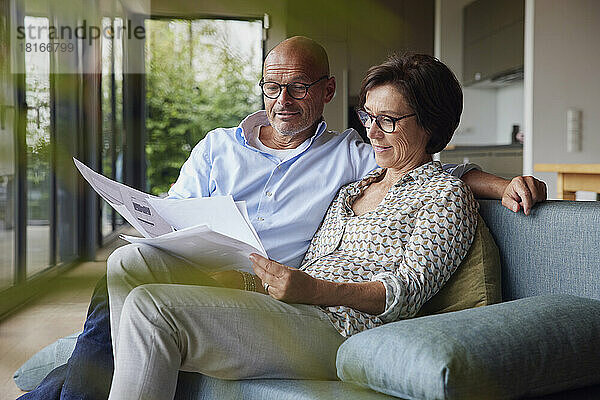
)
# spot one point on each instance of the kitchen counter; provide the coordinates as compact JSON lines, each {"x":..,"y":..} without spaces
{"x":517,"y":147}
{"x":502,"y":160}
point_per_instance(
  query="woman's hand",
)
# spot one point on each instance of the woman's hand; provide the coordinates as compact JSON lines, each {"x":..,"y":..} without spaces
{"x":294,"y":286}
{"x":286,"y":284}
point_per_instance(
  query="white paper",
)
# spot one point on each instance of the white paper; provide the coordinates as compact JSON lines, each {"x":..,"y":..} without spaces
{"x":220,"y":213}
{"x":213,"y":233}
{"x":241,"y":205}
{"x":199,"y":245}
{"x":132,"y":204}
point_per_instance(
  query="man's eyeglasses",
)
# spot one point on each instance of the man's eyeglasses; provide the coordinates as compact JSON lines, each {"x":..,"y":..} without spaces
{"x":297,"y":90}
{"x":384,"y":122}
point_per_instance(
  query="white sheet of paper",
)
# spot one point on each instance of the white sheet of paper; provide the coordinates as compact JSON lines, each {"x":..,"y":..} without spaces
{"x":210,"y":251}
{"x":241,"y":205}
{"x":214,"y":233}
{"x":132,"y":204}
{"x":220,"y":213}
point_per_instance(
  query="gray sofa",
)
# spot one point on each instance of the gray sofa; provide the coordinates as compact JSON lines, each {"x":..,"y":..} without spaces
{"x":530,"y":346}
{"x":553,"y":250}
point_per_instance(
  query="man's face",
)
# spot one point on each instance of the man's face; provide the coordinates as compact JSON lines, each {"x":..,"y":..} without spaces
{"x":287,"y":115}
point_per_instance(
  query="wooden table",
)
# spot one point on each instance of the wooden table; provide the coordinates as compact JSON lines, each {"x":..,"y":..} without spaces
{"x":573,"y":177}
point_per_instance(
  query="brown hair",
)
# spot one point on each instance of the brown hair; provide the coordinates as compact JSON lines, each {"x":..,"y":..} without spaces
{"x":430,"y":89}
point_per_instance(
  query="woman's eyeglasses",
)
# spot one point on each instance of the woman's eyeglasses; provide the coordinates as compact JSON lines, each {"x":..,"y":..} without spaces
{"x":384,"y":122}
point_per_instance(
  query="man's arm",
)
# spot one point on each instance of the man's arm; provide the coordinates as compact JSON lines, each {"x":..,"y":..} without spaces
{"x":522,"y":192}
{"x":194,"y":176}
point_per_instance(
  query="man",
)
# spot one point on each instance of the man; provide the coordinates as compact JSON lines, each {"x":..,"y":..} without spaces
{"x":287,"y":167}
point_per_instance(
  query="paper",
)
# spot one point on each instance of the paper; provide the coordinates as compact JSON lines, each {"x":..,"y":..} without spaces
{"x":208,"y":250}
{"x":213,"y":233}
{"x":130,"y":203}
{"x":241,"y":205}
{"x":220,"y":213}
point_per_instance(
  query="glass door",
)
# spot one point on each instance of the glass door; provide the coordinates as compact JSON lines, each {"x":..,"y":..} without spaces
{"x":200,"y":74}
{"x":39,"y":149}
{"x":8,"y":127}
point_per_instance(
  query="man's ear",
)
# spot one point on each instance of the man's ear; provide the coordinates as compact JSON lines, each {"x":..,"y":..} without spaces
{"x":329,"y":89}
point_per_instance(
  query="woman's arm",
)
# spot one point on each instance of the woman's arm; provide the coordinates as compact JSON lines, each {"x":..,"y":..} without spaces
{"x":442,"y":234}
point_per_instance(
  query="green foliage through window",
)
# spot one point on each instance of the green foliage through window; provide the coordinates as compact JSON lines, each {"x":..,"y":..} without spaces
{"x":201,"y":74}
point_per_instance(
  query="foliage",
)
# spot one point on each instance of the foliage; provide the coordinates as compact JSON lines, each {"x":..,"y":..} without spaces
{"x":38,"y":145}
{"x":194,"y":84}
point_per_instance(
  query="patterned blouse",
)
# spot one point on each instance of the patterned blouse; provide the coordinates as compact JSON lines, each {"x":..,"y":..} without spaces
{"x":412,"y":243}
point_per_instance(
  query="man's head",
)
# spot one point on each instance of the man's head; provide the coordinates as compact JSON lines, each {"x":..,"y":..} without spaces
{"x":302,"y":60}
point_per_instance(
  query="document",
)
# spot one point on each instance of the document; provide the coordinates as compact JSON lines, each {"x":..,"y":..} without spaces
{"x":206,"y":249}
{"x":212,"y":233}
{"x":130,"y":203}
{"x":220,"y":213}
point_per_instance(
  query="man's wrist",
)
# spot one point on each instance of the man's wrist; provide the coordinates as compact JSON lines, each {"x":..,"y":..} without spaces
{"x":485,"y":185}
{"x":249,"y":282}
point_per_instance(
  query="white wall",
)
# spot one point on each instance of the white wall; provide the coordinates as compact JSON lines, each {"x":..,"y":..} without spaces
{"x":564,"y":60}
{"x":478,"y":121}
{"x":509,"y":111}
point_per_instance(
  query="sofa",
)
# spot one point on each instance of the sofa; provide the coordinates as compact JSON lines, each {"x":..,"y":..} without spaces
{"x":542,"y":341}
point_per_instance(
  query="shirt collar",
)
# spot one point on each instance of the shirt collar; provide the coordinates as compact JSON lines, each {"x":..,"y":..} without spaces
{"x":420,"y":174}
{"x":259,"y":118}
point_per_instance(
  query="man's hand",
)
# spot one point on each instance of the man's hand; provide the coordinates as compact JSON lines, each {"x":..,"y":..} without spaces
{"x":286,"y":284}
{"x":522,"y":193}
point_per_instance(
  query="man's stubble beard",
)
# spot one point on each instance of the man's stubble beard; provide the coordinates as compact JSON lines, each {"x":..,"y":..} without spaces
{"x":290,"y":132}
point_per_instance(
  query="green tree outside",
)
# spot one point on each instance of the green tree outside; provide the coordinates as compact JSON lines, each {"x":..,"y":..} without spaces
{"x":195,"y":82}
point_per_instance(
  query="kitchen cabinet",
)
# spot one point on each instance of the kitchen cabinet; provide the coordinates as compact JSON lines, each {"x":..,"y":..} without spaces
{"x":505,"y":161}
{"x":493,"y":39}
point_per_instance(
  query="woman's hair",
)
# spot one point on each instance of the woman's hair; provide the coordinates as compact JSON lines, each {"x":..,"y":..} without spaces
{"x":430,"y":89}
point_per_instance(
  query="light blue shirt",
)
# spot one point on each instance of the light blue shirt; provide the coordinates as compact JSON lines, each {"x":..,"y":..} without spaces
{"x":287,"y":199}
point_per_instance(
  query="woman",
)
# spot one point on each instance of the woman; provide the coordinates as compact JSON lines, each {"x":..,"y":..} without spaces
{"x":386,"y":246}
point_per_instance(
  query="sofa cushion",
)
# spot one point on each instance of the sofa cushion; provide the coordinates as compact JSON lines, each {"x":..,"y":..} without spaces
{"x":476,"y":281}
{"x":34,"y":370}
{"x":525,"y":347}
{"x":192,"y":386}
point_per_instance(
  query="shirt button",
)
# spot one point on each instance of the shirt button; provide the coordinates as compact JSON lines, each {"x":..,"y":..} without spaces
{"x":269,"y":194}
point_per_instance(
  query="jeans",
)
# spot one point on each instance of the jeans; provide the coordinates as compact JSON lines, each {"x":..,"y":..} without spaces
{"x":88,"y":373}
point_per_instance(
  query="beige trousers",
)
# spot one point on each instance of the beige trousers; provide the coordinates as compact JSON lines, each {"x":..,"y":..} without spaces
{"x":159,"y":329}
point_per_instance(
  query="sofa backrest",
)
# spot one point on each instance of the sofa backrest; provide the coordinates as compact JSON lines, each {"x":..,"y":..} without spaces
{"x":556,"y":249}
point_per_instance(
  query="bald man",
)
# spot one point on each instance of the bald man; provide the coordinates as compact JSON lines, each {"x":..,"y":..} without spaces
{"x":287,"y":166}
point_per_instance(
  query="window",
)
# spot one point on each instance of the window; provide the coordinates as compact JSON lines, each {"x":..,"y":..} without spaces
{"x":200,"y":74}
{"x":7,"y":159}
{"x":112,"y":117}
{"x":39,"y":149}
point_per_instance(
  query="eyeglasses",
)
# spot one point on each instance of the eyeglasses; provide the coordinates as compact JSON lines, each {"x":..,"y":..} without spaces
{"x":384,"y":122}
{"x":297,"y":90}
